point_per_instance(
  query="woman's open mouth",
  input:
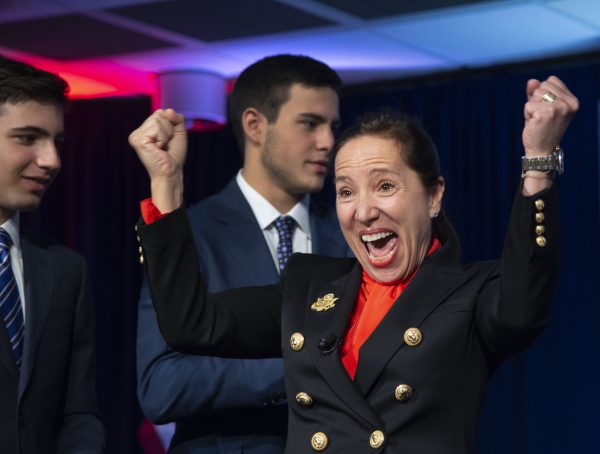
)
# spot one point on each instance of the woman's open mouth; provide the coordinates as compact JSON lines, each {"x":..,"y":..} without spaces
{"x":382,"y":247}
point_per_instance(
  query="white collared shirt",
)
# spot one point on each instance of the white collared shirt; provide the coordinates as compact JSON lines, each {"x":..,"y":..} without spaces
{"x":266,"y":214}
{"x":16,"y":256}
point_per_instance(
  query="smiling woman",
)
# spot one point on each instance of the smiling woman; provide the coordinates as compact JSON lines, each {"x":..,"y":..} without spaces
{"x":392,"y":350}
{"x":384,"y":206}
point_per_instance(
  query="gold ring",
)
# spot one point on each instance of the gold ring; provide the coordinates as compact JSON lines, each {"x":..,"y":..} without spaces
{"x":549,"y":97}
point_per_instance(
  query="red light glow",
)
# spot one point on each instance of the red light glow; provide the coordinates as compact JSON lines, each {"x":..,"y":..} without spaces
{"x":91,"y":79}
{"x":84,"y":87}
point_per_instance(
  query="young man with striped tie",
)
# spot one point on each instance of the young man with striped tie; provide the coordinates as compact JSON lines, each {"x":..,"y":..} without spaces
{"x":46,"y":329}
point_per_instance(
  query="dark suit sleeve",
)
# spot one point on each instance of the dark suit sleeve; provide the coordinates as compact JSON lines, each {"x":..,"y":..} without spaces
{"x":173,"y":385}
{"x":515,"y":305}
{"x":81,"y":431}
{"x":240,"y":323}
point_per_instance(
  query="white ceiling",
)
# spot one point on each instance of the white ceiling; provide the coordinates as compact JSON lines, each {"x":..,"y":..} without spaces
{"x":470,"y":36}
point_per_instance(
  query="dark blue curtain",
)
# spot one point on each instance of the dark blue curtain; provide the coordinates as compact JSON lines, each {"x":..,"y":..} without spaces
{"x":542,"y":401}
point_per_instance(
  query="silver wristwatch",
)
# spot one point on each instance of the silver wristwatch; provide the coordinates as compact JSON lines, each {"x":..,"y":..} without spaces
{"x":553,"y":164}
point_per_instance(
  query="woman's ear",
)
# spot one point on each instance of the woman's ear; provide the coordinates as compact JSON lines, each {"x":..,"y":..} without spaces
{"x":437,"y":194}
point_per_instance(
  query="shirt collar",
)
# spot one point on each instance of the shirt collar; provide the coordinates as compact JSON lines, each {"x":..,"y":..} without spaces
{"x":12,"y":228}
{"x":266,"y":213}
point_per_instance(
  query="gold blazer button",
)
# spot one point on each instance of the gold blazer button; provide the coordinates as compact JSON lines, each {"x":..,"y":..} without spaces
{"x":540,"y":229}
{"x":413,"y":337}
{"x":539,"y":218}
{"x":376,"y":439}
{"x":297,"y":341}
{"x":304,"y":399}
{"x":403,"y":392}
{"x":541,"y":241}
{"x":539,"y":204}
{"x":319,"y":441}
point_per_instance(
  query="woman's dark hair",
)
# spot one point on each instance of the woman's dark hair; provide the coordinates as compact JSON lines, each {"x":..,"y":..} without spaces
{"x":418,"y":151}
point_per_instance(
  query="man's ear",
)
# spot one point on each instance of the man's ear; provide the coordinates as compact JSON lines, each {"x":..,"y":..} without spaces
{"x":254,"y":124}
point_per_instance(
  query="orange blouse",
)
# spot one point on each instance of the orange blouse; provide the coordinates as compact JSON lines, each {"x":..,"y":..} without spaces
{"x":374,"y":301}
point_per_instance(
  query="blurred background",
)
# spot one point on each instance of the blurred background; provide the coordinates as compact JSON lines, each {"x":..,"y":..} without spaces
{"x":459,"y":65}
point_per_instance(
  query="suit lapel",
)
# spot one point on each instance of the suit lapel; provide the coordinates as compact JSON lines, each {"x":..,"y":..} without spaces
{"x":413,"y":306}
{"x":39,"y":278}
{"x":244,"y":240}
{"x":326,"y":236}
{"x":6,"y":356}
{"x":240,"y":234}
{"x":320,"y":324}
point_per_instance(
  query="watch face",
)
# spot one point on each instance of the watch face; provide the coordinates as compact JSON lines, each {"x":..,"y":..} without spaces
{"x":560,"y":160}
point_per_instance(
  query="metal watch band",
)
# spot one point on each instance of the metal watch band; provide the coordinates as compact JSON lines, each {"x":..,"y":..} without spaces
{"x":552,"y":163}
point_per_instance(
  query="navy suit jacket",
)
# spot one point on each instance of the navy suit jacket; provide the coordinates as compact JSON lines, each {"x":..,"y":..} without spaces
{"x":50,"y":406}
{"x":231,"y":404}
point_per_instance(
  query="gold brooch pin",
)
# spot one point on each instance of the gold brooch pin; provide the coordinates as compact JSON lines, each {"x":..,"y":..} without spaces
{"x":325,"y":303}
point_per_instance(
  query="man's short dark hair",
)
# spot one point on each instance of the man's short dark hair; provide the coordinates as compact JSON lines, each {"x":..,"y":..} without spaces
{"x":20,"y":82}
{"x":265,"y":86}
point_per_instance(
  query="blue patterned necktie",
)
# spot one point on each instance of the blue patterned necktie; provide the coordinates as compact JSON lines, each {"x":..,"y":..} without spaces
{"x":285,"y":228}
{"x":10,"y":302}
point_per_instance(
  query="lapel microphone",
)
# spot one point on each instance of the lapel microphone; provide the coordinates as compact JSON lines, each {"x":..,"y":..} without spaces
{"x":329,"y":342}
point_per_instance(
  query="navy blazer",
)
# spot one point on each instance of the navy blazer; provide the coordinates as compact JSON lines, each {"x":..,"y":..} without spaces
{"x":229,"y":404}
{"x":469,"y":318}
{"x":50,"y":406}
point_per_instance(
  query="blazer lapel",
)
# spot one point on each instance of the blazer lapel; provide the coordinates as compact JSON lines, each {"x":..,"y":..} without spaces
{"x":38,"y":287}
{"x":239,"y":232}
{"x":327,"y":238}
{"x":411,"y":308}
{"x":6,"y":356}
{"x":332,"y":323}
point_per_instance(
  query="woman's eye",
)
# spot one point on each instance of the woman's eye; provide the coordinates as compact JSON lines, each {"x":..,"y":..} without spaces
{"x":386,"y":186}
{"x":344,"y":193}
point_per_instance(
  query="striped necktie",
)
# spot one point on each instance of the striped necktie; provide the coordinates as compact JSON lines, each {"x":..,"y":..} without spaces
{"x":285,"y":228}
{"x":10,"y":302}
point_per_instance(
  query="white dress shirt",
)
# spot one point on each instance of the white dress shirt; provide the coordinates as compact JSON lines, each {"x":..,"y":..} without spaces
{"x":16,"y":257}
{"x":266,"y":214}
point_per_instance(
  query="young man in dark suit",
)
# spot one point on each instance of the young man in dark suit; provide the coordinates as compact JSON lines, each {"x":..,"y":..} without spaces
{"x":283,"y":111}
{"x":47,"y":385}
